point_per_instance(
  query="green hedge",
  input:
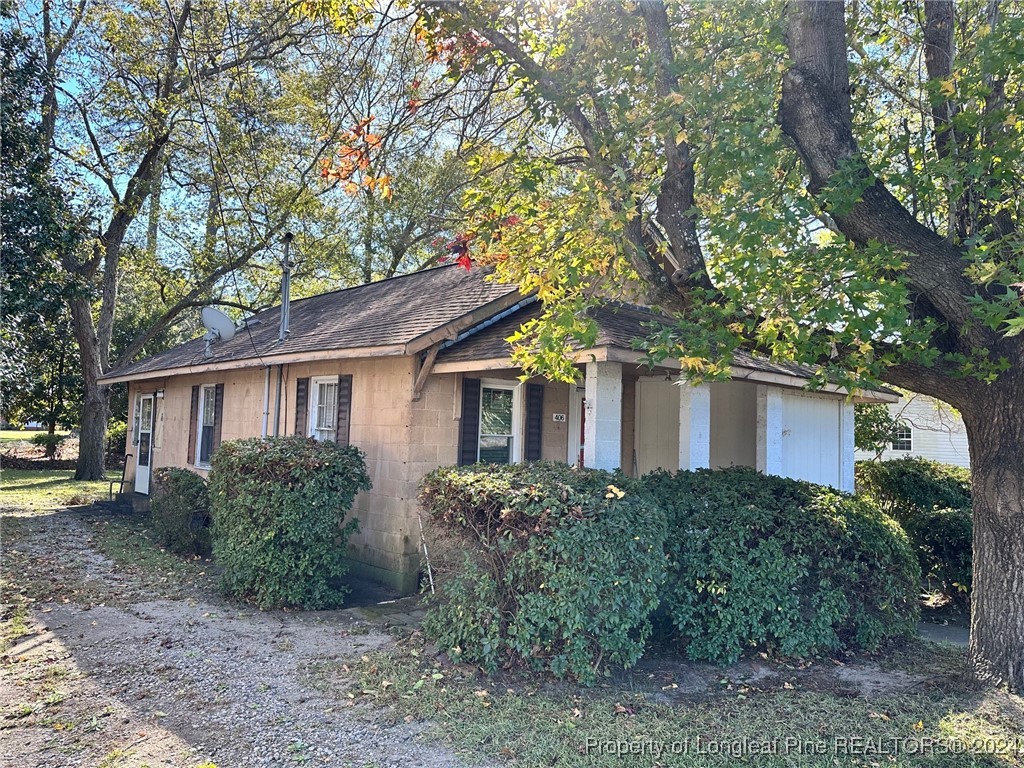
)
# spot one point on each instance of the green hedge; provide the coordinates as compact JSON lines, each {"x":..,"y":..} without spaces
{"x":179,"y":511}
{"x":943,"y":538}
{"x":904,"y":487}
{"x":761,"y":562}
{"x":279,"y":528}
{"x":561,"y":572}
{"x":933,"y":503}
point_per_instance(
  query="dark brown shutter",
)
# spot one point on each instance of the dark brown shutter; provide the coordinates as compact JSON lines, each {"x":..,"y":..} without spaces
{"x":218,"y":415}
{"x":534,"y":421}
{"x":301,"y":405}
{"x":193,"y":424}
{"x":469,"y":431}
{"x":344,"y":409}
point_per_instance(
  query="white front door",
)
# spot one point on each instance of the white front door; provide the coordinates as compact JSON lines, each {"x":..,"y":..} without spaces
{"x":144,"y":450}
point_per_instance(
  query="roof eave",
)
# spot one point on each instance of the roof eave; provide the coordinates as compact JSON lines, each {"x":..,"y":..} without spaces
{"x":391,"y":350}
{"x":620,"y":355}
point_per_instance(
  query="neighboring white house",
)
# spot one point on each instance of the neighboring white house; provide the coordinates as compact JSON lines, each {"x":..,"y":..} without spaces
{"x":932,"y":430}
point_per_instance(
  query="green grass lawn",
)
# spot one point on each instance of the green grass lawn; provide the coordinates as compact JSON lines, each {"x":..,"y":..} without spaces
{"x":21,"y":435}
{"x":525,"y":721}
{"x":50,"y":489}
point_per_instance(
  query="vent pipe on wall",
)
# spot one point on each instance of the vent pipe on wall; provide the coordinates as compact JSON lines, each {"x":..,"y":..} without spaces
{"x":286,"y":284}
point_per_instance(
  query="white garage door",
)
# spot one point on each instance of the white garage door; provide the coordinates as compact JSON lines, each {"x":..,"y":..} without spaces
{"x":811,"y":439}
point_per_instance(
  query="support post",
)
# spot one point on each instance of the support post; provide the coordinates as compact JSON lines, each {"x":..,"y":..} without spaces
{"x":846,"y":447}
{"x":602,"y":443}
{"x":694,"y":426}
{"x":769,"y":430}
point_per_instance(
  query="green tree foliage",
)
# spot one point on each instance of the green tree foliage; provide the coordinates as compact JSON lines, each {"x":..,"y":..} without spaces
{"x":874,"y":427}
{"x":837,"y":184}
{"x":36,"y":348}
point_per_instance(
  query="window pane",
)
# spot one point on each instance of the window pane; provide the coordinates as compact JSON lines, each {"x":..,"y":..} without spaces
{"x":144,"y":449}
{"x":496,"y":412}
{"x":903,"y":439}
{"x":147,"y":414}
{"x":206,"y":444}
{"x":495,"y":449}
{"x":209,"y":406}
{"x":327,"y":401}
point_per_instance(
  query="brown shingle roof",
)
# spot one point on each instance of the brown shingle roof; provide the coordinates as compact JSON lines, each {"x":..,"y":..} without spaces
{"x":386,"y":313}
{"x":617,"y":326}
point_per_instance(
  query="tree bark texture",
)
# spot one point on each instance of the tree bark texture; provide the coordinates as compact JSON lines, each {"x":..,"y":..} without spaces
{"x":995,"y":431}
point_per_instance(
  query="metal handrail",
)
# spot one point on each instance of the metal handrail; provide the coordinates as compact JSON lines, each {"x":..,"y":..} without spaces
{"x":120,"y":485}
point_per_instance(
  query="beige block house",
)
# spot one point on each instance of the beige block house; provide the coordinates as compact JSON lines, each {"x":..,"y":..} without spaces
{"x":416,"y":372}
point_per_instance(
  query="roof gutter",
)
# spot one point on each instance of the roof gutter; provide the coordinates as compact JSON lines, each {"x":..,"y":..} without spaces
{"x":490,"y":321}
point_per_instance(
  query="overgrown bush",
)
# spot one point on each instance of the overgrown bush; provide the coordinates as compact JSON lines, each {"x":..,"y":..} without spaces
{"x":559,"y":568}
{"x":933,"y":503}
{"x":904,"y":487}
{"x":179,"y":510}
{"x":117,"y":434}
{"x":943,"y":539}
{"x":279,"y":527}
{"x":760,"y":562}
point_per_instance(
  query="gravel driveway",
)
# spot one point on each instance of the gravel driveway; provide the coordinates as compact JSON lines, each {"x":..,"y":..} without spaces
{"x":122,"y":674}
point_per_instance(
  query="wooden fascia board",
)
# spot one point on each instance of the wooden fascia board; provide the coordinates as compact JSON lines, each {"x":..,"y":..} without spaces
{"x":393,"y":350}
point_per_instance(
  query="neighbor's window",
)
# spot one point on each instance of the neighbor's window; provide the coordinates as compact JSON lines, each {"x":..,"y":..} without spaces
{"x":323,"y":408}
{"x":903,"y":438}
{"x":207,"y":419}
{"x":496,"y":424}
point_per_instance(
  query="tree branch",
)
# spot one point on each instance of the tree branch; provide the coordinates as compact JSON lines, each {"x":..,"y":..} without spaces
{"x":815,"y":113}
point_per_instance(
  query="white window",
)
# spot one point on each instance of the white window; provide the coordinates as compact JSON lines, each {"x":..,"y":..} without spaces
{"x":903,"y":438}
{"x":323,"y":408}
{"x":501,"y":422}
{"x":207,"y":420}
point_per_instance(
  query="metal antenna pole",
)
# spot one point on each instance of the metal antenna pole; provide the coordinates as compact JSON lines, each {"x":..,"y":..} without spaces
{"x":286,"y":279}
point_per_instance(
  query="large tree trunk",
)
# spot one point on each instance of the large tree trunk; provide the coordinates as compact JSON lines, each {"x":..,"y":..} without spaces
{"x":95,"y":403}
{"x":995,"y":429}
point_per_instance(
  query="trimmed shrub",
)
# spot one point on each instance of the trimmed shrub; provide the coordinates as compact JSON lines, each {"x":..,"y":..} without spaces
{"x":179,"y":510}
{"x":761,"y":562}
{"x":943,"y":539}
{"x":933,"y":503}
{"x":904,"y":487}
{"x":279,"y":528}
{"x":559,"y":568}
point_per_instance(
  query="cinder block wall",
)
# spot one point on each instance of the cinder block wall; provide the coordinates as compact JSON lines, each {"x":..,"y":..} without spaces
{"x":402,"y":439}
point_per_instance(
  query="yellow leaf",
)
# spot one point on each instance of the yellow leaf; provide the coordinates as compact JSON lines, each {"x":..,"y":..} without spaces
{"x":947,"y":88}
{"x":680,"y":137}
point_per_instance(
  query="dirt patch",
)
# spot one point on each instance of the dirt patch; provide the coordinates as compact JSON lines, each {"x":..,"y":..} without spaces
{"x":107,"y":669}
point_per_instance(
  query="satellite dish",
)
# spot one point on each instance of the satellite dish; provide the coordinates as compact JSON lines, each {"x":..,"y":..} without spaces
{"x":219,"y":327}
